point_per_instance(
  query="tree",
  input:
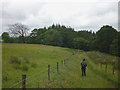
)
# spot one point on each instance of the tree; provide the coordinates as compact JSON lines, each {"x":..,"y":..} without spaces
{"x":19,"y":30}
{"x":114,"y":47}
{"x":5,"y":37}
{"x":104,"y":38}
{"x":52,"y":37}
{"x":81,"y":43}
{"x":37,"y":35}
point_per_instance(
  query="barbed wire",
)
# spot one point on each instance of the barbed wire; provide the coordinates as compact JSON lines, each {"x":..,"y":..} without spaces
{"x":32,"y":81}
{"x":53,"y":67}
{"x":27,"y":78}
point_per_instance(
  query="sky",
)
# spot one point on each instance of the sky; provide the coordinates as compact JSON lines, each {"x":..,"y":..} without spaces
{"x":79,"y":14}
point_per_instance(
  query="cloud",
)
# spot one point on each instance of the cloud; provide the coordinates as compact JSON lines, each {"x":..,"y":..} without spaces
{"x":79,"y":15}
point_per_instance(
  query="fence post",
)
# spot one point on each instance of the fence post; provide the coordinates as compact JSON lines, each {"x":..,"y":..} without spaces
{"x":24,"y":81}
{"x":106,"y":67}
{"x":57,"y":66}
{"x":48,"y":72}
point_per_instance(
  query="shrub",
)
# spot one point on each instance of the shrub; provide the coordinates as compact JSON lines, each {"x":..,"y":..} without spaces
{"x":34,"y":65}
{"x":17,"y":67}
{"x":15,"y":60}
{"x":26,"y":60}
{"x":25,"y":68}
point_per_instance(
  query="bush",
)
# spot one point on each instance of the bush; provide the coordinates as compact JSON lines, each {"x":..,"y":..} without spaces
{"x":26,"y":60}
{"x":25,"y":68}
{"x":17,"y":67}
{"x":34,"y":65}
{"x":15,"y":60}
{"x":5,"y":78}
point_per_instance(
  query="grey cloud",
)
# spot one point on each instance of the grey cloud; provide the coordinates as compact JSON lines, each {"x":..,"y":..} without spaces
{"x":81,"y":16}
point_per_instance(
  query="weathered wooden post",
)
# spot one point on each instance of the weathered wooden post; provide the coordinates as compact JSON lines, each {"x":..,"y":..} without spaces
{"x":24,"y":81}
{"x":48,"y":72}
{"x":113,"y":66}
{"x":57,"y":66}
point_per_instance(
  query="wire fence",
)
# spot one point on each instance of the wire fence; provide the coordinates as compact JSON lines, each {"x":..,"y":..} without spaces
{"x":53,"y":72}
{"x":40,"y":77}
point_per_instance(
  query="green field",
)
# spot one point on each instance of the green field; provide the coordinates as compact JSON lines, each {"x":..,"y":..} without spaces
{"x":33,"y":60}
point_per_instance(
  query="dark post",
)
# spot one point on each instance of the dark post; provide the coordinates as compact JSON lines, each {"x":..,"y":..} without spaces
{"x":24,"y":81}
{"x":48,"y":72}
{"x":106,"y":67}
{"x":57,"y":66}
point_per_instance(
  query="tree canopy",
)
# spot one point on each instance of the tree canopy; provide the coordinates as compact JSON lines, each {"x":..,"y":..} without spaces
{"x":105,"y":40}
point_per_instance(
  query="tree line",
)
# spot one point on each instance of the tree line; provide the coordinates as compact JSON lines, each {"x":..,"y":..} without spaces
{"x":106,"y":39}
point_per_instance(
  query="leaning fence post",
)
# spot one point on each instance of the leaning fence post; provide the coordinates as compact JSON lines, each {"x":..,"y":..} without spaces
{"x":106,"y":67}
{"x":48,"y":72}
{"x":57,"y":66}
{"x":24,"y":81}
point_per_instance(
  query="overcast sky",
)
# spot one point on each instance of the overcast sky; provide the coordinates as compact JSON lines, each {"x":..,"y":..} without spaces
{"x":79,"y":14}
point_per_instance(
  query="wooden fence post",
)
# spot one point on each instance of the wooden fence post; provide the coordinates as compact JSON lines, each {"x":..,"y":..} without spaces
{"x":57,"y":66}
{"x":24,"y":81}
{"x":106,"y":67}
{"x":48,"y":72}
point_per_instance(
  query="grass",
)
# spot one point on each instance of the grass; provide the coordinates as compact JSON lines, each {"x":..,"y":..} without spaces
{"x":30,"y":59}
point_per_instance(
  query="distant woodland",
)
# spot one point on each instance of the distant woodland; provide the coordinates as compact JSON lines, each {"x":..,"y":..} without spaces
{"x":106,"y":39}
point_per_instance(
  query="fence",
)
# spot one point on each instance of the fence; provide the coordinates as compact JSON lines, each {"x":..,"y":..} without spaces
{"x":106,"y":64}
{"x":45,"y":75}
{"x":40,"y":76}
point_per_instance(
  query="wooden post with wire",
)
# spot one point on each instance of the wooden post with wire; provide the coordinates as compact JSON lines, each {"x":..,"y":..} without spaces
{"x":57,"y":66}
{"x":24,"y":81}
{"x":48,"y":72}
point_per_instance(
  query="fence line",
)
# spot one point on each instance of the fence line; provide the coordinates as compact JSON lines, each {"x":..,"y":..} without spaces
{"x":52,"y":69}
{"x":27,"y":78}
{"x":55,"y":66}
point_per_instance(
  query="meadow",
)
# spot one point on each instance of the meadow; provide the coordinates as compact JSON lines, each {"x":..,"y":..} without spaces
{"x":33,"y":60}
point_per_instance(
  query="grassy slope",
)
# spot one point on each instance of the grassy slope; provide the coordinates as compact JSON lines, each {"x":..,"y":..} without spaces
{"x":69,"y":75}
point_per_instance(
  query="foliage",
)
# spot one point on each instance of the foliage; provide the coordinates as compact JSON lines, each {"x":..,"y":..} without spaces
{"x":81,"y":43}
{"x":52,"y":37}
{"x":104,"y":40}
{"x":5,"y":37}
{"x":15,"y":60}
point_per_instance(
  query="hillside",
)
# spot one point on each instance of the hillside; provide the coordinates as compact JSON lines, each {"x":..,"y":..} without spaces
{"x":33,"y":60}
